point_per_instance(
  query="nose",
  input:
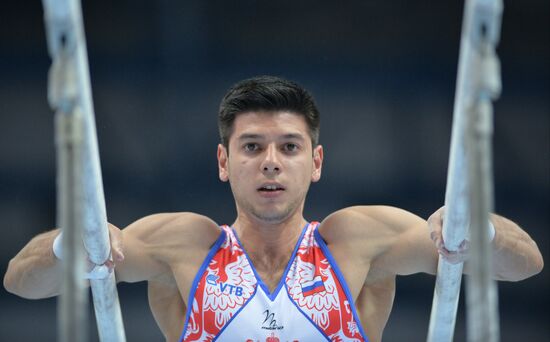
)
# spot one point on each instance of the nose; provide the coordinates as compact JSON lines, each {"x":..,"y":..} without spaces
{"x":271,"y":163}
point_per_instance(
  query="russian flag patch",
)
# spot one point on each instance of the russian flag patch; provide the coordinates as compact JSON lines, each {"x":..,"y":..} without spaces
{"x":313,"y":286}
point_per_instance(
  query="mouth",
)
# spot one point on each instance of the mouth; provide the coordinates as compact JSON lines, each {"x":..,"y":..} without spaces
{"x":271,"y":188}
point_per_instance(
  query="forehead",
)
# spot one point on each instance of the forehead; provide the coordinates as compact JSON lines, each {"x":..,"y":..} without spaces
{"x":269,"y":123}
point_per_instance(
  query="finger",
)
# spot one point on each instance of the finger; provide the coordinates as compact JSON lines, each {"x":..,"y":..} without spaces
{"x":117,"y":254}
{"x":98,"y":272}
{"x":445,"y":252}
{"x":117,"y":249}
{"x":109,"y":264}
{"x":441,"y":245}
{"x":451,"y":257}
{"x":435,"y":222}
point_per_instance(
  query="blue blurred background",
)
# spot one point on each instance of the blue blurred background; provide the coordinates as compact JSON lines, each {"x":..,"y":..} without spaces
{"x":383,"y":74}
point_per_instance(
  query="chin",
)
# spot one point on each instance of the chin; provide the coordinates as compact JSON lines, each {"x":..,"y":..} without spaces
{"x":271,"y":217}
{"x":274,"y":216}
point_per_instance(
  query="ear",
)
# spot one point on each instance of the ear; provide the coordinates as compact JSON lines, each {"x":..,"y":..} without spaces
{"x":223,"y":171}
{"x":317,"y":163}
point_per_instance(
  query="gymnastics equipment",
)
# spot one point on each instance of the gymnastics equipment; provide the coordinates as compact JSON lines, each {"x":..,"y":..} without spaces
{"x":81,"y":203}
{"x":469,"y":194}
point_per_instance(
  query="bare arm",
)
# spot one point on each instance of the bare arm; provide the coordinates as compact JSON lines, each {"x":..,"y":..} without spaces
{"x":150,"y":245}
{"x":35,"y":272}
{"x":515,"y":255}
{"x":156,"y":244}
{"x":373,"y":243}
{"x":395,"y":241}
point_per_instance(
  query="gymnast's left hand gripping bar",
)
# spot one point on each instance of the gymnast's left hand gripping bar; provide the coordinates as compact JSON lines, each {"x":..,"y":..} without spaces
{"x":81,"y":202}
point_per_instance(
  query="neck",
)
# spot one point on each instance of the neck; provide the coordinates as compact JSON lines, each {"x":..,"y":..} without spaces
{"x":268,"y":244}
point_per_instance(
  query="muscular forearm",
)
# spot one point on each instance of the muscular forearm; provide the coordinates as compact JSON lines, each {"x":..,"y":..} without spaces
{"x":35,"y":272}
{"x":515,"y":255}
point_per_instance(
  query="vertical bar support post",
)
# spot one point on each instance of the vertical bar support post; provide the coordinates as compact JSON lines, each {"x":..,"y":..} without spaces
{"x":69,"y":94}
{"x":474,"y":91}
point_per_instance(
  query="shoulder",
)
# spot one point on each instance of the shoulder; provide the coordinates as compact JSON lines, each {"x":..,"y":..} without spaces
{"x":373,"y":229}
{"x":390,"y":240}
{"x":181,"y":229}
{"x":373,"y":219}
{"x":155,"y":244}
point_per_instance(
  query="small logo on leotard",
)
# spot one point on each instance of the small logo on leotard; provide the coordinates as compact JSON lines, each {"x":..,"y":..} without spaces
{"x":213,"y":280}
{"x":270,"y":323}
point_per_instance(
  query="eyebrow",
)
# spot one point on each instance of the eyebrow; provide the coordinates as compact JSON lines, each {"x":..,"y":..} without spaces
{"x":293,"y":136}
{"x":253,"y":136}
{"x":250,"y":136}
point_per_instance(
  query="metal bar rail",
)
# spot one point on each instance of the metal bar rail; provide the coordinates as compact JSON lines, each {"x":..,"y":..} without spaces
{"x":469,"y":184}
{"x":81,"y":198}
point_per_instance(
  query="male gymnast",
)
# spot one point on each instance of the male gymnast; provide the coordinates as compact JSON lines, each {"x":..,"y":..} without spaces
{"x":273,"y":275}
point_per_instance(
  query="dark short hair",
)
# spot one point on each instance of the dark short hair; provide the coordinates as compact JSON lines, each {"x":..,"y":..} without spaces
{"x":269,"y":94}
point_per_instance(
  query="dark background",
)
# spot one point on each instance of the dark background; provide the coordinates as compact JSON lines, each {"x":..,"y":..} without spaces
{"x":383,"y":74}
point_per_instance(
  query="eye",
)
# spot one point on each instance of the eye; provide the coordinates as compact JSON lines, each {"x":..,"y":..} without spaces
{"x":250,"y":147}
{"x":290,"y":147}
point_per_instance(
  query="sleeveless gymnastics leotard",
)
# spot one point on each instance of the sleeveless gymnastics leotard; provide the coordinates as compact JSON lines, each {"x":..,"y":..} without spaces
{"x":229,"y":302}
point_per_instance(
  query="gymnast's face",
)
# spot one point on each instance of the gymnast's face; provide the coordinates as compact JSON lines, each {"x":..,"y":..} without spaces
{"x":270,"y":165}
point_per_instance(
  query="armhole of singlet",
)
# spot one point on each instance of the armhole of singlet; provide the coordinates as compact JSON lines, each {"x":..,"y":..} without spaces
{"x":341,"y":278}
{"x":215,"y":247}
